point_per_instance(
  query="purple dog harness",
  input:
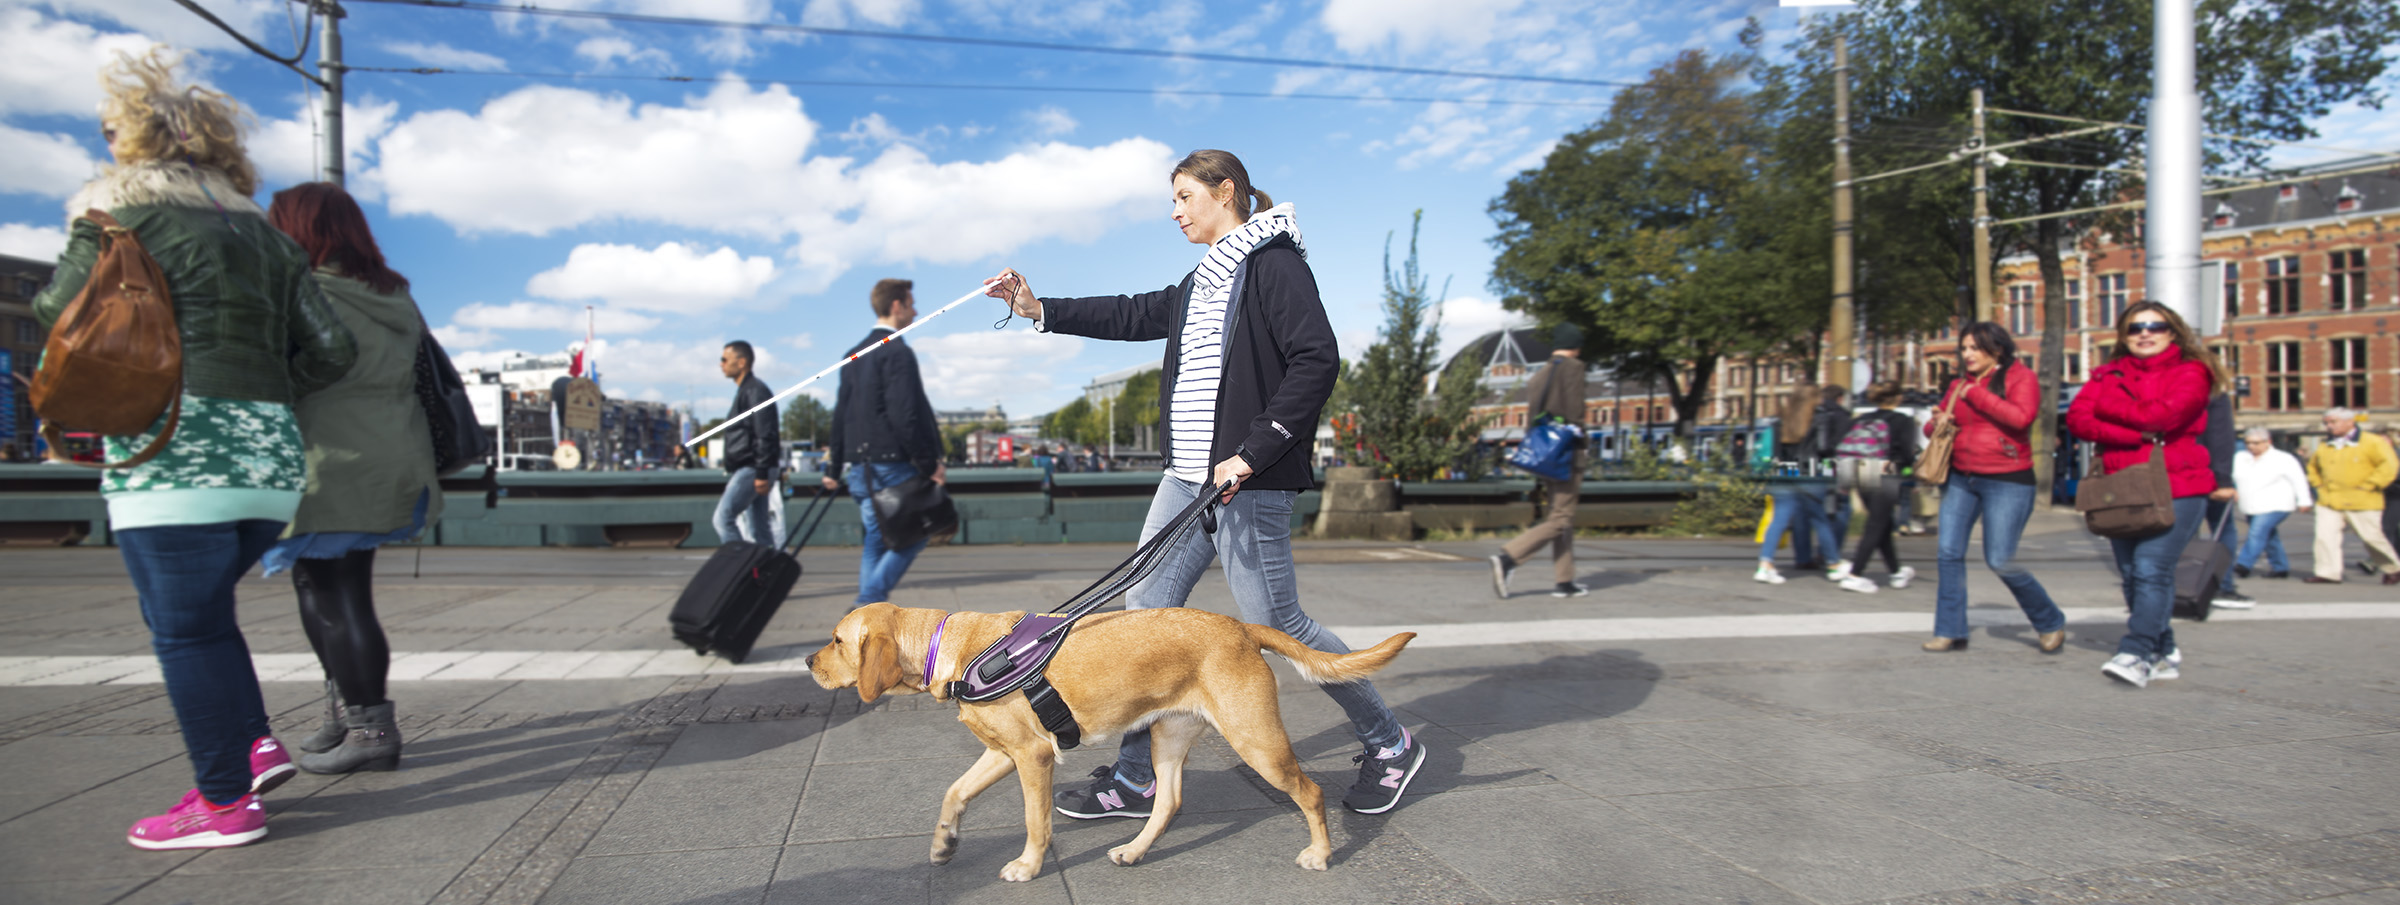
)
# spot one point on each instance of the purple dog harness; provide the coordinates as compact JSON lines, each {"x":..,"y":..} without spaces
{"x":1018,"y":660}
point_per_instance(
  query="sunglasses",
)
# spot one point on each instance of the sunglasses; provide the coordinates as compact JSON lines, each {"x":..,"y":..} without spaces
{"x":108,"y":135}
{"x":2138,"y":328}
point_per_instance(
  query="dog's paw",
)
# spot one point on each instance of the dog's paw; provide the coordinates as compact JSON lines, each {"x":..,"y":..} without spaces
{"x":1128,"y":854}
{"x":1020,"y":871}
{"x":1312,"y":858}
{"x":944,"y":846}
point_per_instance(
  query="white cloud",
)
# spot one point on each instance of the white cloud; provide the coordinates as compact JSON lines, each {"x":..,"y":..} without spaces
{"x":1465,"y":318}
{"x":872,"y":129}
{"x":1051,"y":121}
{"x":541,"y":316}
{"x":737,"y":161}
{"x":285,"y":150}
{"x":40,"y":243}
{"x":43,"y":163}
{"x":837,"y":13}
{"x":446,"y":56}
{"x":53,"y":63}
{"x":1359,"y":25}
{"x":608,"y":50}
{"x":976,"y":367}
{"x":636,"y":362}
{"x":671,"y":277}
{"x":171,"y":24}
{"x":801,"y":341}
{"x":454,"y":337}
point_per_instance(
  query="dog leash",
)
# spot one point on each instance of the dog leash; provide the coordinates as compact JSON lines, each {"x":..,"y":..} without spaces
{"x":836,"y":366}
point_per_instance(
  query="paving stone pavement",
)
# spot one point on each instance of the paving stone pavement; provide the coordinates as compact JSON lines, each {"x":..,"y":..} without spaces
{"x":1693,"y":747}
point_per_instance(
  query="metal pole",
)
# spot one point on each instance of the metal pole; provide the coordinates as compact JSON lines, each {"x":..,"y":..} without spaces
{"x":329,"y":72}
{"x":1983,"y":217}
{"x":2171,"y":226}
{"x":1838,"y":354}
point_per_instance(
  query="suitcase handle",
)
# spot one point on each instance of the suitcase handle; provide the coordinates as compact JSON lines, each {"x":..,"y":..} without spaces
{"x":808,"y":524}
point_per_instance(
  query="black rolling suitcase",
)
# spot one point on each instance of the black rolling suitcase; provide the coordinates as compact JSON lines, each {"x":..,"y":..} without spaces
{"x":2200,"y":571}
{"x":728,"y":604}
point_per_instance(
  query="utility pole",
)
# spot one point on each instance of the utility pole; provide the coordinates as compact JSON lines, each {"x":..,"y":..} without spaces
{"x":1983,"y":216}
{"x":2171,"y":224}
{"x":1838,"y":354}
{"x":329,"y":75}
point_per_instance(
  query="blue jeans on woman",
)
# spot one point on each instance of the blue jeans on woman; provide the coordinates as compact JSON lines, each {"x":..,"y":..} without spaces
{"x":1254,"y":534}
{"x":1800,"y":510}
{"x":185,"y":576}
{"x":2264,"y":539}
{"x":879,"y":569}
{"x":2148,"y":567}
{"x":2003,"y":507}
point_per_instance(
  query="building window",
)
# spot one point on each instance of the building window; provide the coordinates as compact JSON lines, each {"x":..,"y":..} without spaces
{"x":2346,"y":373}
{"x":2020,"y":308}
{"x":2074,"y":301}
{"x":2283,"y":377}
{"x":2075,"y":367}
{"x":29,"y":331}
{"x":2233,"y":289}
{"x":2346,"y":280}
{"x":2283,"y":285}
{"x":2111,"y":301}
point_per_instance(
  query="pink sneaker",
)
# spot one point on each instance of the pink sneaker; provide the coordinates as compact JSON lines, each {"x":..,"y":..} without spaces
{"x":270,"y":765}
{"x":193,"y":823}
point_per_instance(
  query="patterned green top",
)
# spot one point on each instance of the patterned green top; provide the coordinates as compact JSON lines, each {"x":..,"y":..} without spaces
{"x":230,"y":460}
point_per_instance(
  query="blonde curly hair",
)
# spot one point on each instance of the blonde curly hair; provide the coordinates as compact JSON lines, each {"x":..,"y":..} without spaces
{"x":151,"y":118}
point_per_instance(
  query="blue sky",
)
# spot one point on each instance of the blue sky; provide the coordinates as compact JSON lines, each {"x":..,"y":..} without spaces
{"x":690,"y":213}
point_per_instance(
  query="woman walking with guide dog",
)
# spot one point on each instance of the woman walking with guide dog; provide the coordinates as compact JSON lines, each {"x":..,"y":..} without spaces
{"x":1250,"y":361}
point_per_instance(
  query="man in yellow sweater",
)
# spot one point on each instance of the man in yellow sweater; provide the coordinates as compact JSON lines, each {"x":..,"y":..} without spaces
{"x":2349,"y":472}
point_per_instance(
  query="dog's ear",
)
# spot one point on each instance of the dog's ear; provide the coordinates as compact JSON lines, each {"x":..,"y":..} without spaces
{"x":878,"y":664}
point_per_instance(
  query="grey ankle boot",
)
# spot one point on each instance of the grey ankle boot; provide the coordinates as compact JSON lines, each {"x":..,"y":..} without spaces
{"x":329,"y":732}
{"x":372,"y":743}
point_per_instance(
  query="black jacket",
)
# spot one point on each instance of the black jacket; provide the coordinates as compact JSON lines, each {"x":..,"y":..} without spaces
{"x":757,"y":441}
{"x":2220,"y":440}
{"x":881,"y":414}
{"x":1280,"y":359}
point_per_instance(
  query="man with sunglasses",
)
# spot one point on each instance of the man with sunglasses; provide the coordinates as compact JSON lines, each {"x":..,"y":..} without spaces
{"x":2349,"y":471}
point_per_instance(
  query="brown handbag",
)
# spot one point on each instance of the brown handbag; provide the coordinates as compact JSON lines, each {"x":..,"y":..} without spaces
{"x":2138,"y":501}
{"x":1933,"y":465}
{"x":115,"y":357}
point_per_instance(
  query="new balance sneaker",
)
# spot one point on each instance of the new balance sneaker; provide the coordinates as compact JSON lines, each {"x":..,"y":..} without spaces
{"x":2128,"y":669}
{"x":1766,"y":574}
{"x":194,"y":823}
{"x":2229,"y":600}
{"x":1383,"y":778}
{"x":1109,"y":795}
{"x":2168,"y":667}
{"x":270,"y":765}
{"x":1901,"y":578}
{"x":1839,"y":571}
{"x":1502,"y":567}
{"x":1859,"y":583}
{"x":1569,"y":589}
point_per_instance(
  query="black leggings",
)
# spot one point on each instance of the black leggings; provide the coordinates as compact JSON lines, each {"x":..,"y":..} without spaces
{"x":337,"y":609}
{"x":1881,"y":501}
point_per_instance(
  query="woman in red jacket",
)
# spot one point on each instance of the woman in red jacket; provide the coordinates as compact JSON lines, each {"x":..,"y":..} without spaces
{"x":2153,"y":390}
{"x":1991,"y":480}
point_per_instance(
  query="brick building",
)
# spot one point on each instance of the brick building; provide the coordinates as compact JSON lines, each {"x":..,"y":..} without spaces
{"x":21,"y":336}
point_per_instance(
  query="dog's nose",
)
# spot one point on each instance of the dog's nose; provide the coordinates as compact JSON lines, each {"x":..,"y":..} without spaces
{"x":811,"y":662}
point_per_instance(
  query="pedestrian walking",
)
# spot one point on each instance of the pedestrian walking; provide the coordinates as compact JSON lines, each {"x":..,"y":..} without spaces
{"x":1555,"y":392}
{"x":1990,"y":483}
{"x":2270,"y":485}
{"x":2220,"y":439}
{"x":1878,"y":450}
{"x":2151,"y":398}
{"x":1801,"y":508}
{"x":257,"y":337}
{"x":883,"y":423}
{"x":371,"y":478}
{"x":2350,"y":472}
{"x":1822,"y":515}
{"x":752,"y":449}
{"x":2391,"y":492}
{"x":1250,"y":360}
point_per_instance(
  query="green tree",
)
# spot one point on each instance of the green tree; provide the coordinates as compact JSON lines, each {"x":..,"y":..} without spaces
{"x":805,"y":418}
{"x":1076,"y":422}
{"x":2267,"y":69}
{"x":1417,"y":434}
{"x":1655,"y":230}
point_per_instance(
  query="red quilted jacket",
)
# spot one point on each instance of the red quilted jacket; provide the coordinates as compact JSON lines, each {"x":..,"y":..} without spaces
{"x":1993,"y":432}
{"x":2164,"y":395}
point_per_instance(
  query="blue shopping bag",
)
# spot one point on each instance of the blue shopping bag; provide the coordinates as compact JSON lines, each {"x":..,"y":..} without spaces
{"x":1549,"y":449}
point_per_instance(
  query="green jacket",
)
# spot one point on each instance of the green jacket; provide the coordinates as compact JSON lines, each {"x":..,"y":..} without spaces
{"x":255,"y":327}
{"x":370,"y":453}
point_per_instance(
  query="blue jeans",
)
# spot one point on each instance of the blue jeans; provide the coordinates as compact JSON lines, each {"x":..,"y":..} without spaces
{"x":879,"y":570}
{"x":185,"y":576}
{"x":1254,"y":534}
{"x":1815,"y":530}
{"x":2003,"y":508}
{"x":2264,"y":538}
{"x":2148,"y":567}
{"x":743,"y":499}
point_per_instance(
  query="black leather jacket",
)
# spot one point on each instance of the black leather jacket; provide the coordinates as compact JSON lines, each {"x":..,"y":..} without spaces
{"x":255,"y":324}
{"x":756,"y":441}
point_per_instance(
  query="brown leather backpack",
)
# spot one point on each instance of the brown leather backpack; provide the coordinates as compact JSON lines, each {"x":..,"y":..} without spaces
{"x":115,"y":358}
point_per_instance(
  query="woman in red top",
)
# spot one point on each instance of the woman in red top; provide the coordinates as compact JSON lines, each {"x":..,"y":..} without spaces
{"x":2153,"y":390}
{"x":1991,"y":481}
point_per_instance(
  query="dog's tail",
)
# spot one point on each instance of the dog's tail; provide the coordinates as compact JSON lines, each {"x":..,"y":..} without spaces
{"x":1329,"y":669}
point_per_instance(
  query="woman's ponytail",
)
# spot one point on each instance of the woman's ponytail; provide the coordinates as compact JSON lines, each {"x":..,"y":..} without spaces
{"x":1264,"y":201}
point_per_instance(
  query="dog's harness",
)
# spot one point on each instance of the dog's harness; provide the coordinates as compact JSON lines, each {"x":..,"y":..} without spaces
{"x":1018,"y":660}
